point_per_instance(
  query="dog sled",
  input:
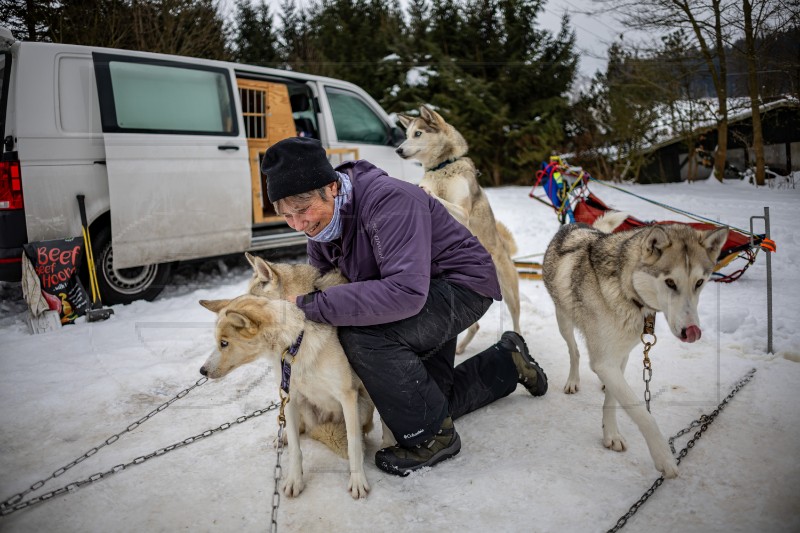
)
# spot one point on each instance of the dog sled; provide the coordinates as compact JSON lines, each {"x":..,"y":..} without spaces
{"x":566,"y":191}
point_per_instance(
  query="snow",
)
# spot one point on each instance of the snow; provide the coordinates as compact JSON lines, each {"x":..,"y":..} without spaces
{"x":527,"y":464}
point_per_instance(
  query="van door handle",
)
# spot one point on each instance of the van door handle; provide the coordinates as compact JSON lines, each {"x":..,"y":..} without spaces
{"x":228,"y":147}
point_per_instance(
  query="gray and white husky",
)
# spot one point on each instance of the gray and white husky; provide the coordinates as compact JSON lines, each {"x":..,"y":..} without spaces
{"x":606,"y":283}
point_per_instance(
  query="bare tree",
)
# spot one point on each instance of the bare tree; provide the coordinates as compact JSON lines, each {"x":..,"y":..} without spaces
{"x":704,"y":19}
{"x":757,"y":18}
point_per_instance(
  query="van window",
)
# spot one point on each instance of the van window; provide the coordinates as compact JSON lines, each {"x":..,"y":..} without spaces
{"x":354,"y":120}
{"x":164,"y":97}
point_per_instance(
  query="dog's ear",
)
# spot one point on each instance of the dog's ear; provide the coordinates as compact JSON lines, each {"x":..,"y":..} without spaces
{"x":713,"y":240}
{"x":215,"y":305}
{"x":404,"y":120}
{"x":432,"y":118}
{"x":654,"y":244}
{"x":250,"y":259}
{"x":263,"y":271}
{"x":238,"y":320}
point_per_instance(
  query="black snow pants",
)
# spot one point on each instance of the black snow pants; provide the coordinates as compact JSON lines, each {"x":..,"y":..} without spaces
{"x":407,"y":366}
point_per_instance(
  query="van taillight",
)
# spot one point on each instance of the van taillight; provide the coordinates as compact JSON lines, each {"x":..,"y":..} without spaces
{"x":10,"y":185}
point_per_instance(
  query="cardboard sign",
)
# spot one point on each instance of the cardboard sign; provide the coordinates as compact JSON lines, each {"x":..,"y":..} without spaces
{"x":56,"y":263}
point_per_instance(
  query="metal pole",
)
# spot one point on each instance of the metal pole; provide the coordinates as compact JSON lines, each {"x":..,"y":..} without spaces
{"x":769,"y":274}
{"x":769,"y":284}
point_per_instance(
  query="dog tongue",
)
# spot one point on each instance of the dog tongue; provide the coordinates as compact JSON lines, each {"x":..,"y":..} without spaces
{"x":691,"y":334}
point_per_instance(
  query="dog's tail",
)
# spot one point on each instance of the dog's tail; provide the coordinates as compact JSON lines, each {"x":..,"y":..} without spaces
{"x":608,"y":222}
{"x":333,"y":435}
{"x":507,"y":238}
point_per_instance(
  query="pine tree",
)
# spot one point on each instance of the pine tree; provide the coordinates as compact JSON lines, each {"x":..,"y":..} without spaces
{"x":254,"y":41}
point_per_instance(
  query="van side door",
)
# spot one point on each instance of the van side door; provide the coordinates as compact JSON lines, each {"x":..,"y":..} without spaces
{"x":177,"y":159}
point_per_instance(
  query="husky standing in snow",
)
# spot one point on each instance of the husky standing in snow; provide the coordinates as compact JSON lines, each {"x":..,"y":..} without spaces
{"x":605,"y":284}
{"x":451,"y":177}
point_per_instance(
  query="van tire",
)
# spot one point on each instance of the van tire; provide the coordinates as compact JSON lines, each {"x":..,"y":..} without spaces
{"x":128,"y":284}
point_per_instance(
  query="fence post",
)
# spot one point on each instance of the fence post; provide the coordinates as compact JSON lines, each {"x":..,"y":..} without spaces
{"x":769,"y":275}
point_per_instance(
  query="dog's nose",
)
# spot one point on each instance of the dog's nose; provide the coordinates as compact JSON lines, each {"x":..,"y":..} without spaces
{"x":399,"y":151}
{"x":204,"y":371}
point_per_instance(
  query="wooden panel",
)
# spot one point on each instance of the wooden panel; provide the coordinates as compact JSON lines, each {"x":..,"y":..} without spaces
{"x":268,"y":119}
{"x":280,"y":124}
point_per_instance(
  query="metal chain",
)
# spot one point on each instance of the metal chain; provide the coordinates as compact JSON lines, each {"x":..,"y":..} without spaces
{"x":647,"y":371}
{"x":276,"y":494}
{"x":137,"y":461}
{"x":5,"y":505}
{"x":703,"y":422}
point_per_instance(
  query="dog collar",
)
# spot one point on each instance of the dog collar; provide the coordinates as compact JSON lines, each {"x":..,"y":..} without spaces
{"x":443,"y":164}
{"x":286,"y":363}
{"x":649,"y":319}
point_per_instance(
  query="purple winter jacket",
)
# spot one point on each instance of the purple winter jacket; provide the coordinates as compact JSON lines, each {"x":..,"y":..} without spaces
{"x":395,"y":238}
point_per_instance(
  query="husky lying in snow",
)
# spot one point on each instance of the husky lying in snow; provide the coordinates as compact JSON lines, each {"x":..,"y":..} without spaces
{"x":606,"y":283}
{"x":451,"y":177}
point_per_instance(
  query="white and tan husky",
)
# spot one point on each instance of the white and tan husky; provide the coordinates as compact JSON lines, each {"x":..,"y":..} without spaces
{"x":605,"y":284}
{"x":323,"y":387}
{"x":451,"y":177}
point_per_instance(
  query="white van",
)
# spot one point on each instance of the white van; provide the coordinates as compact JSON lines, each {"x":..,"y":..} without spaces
{"x":166,"y":150}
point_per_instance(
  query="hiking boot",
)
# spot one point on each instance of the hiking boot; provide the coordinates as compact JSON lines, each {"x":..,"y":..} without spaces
{"x":530,"y":373}
{"x":402,"y":460}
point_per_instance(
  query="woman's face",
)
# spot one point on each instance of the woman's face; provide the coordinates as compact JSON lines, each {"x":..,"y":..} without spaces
{"x":310,"y":216}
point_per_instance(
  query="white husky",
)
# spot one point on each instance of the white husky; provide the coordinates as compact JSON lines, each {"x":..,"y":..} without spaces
{"x":451,"y":177}
{"x":606,"y":283}
{"x":321,"y":382}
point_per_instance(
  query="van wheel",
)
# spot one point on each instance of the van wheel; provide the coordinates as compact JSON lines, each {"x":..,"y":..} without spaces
{"x":125,"y":285}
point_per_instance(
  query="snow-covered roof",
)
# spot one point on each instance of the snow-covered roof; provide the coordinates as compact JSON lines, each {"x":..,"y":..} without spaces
{"x":699,"y":116}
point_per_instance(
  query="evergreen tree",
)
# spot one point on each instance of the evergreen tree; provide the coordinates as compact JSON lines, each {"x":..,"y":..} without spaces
{"x":298,"y":47}
{"x":622,"y":108}
{"x":254,"y":41}
{"x":27,"y":19}
{"x":501,"y":81}
{"x":181,"y":27}
{"x":95,"y":23}
{"x":350,"y":39}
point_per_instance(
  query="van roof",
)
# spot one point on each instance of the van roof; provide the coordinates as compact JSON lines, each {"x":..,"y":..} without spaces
{"x":240,"y":68}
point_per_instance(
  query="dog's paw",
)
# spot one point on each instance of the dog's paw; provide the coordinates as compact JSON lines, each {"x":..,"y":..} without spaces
{"x":358,"y":485}
{"x":615,"y":441}
{"x":667,"y":466}
{"x":293,"y":486}
{"x":572,"y":386}
{"x":427,"y":189}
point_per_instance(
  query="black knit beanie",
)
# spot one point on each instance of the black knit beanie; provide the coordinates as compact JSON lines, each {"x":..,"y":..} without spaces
{"x":296,"y":165}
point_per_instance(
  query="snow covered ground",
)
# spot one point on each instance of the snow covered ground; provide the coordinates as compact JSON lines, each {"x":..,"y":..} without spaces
{"x":527,"y":464}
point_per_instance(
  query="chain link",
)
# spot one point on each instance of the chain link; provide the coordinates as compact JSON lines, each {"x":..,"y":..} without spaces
{"x":647,"y":371}
{"x":276,"y":495}
{"x":10,"y":503}
{"x":703,"y":422}
{"x":137,"y":461}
